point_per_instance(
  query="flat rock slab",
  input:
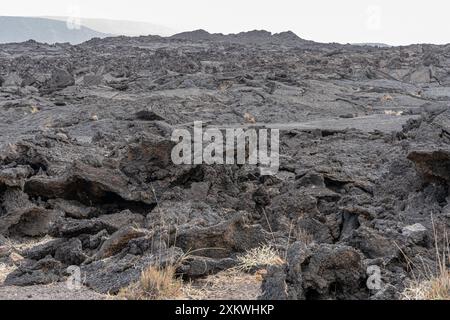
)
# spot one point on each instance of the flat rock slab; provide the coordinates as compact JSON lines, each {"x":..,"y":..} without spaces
{"x":56,"y":291}
{"x":376,"y":122}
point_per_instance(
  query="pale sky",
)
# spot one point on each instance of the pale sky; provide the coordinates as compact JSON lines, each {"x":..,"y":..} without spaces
{"x":394,"y":22}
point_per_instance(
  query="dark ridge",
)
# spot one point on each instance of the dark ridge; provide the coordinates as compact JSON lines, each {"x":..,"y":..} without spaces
{"x":254,"y":36}
{"x":195,"y":35}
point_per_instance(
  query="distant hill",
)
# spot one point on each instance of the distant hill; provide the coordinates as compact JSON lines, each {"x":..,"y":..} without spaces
{"x":56,"y":30}
{"x":19,"y":29}
{"x":122,"y":27}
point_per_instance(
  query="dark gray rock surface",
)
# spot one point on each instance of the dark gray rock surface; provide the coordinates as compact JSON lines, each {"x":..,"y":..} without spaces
{"x":364,"y":143}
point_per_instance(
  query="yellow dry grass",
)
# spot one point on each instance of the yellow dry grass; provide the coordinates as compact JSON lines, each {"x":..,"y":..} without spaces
{"x":156,"y":283}
{"x":230,"y":284}
{"x":433,"y":286}
{"x":258,"y":257}
{"x":437,"y":288}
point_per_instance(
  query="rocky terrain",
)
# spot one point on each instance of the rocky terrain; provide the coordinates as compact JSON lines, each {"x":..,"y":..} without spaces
{"x":86,"y":177}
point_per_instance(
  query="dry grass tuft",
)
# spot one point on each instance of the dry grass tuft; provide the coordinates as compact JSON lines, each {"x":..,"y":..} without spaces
{"x":22,"y":244}
{"x":5,"y":270}
{"x":10,"y":253}
{"x":437,"y":286}
{"x":304,"y":236}
{"x":230,"y":284}
{"x":156,"y":283}
{"x":259,"y":257}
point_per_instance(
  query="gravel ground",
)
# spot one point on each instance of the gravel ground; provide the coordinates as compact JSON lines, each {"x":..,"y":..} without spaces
{"x":226,"y":285}
{"x":56,"y":291}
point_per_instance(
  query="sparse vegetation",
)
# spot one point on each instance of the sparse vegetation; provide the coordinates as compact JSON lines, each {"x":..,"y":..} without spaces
{"x":10,"y":253}
{"x":227,"y":284}
{"x":156,"y":283}
{"x":5,"y":269}
{"x":304,"y":236}
{"x":259,"y":257}
{"x":437,"y":286}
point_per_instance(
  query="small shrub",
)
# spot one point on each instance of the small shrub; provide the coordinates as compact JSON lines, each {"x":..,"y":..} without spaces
{"x":259,"y":257}
{"x":434,"y":287}
{"x":156,"y":283}
{"x":437,"y":288}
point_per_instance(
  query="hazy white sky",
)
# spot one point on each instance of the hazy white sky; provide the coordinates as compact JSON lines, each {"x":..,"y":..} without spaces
{"x":389,"y":21}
